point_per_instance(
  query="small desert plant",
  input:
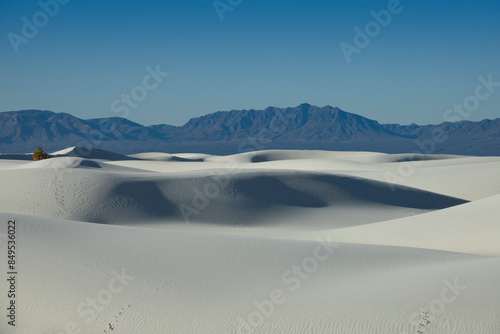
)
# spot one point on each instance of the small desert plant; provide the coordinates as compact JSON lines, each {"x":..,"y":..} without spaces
{"x":40,"y":154}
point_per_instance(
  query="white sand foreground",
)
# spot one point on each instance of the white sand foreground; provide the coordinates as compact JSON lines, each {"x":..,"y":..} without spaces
{"x":260,"y":242}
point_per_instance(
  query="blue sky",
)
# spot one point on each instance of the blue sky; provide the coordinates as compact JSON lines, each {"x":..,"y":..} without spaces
{"x":264,"y":53}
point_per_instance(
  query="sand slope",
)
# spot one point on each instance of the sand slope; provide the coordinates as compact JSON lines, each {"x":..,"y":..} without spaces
{"x":470,"y":228}
{"x":199,"y":282}
{"x":274,"y":242}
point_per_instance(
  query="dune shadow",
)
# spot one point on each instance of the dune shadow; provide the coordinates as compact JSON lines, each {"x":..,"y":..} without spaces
{"x":390,"y":194}
{"x":271,"y":191}
{"x":259,"y":158}
{"x":176,"y":158}
{"x":142,"y":199}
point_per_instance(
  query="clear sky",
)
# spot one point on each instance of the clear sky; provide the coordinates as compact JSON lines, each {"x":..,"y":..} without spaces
{"x":87,"y":55}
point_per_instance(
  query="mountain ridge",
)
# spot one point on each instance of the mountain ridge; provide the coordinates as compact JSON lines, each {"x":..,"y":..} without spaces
{"x":302,"y":127}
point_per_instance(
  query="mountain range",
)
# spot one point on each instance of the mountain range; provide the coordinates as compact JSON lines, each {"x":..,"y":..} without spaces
{"x":236,"y":131}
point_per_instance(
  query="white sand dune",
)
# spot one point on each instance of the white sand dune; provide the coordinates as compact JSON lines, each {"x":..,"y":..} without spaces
{"x":90,"y":153}
{"x":260,"y":242}
{"x":472,"y":228}
{"x":464,"y":177}
{"x":92,"y":191}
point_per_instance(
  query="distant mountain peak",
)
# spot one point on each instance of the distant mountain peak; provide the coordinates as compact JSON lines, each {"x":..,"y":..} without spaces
{"x":225,"y":132}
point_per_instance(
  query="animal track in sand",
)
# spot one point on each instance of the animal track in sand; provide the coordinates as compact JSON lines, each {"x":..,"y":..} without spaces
{"x":111,"y":325}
